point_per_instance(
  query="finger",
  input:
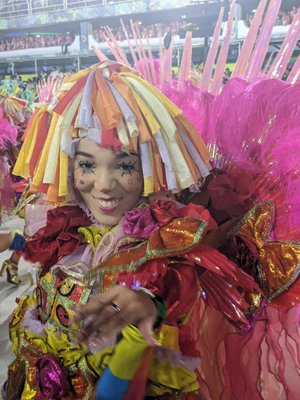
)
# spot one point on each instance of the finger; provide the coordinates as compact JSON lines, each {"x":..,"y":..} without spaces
{"x":95,"y":305}
{"x":146,"y":328}
{"x":113,"y":329}
{"x":99,"y":321}
{"x":84,"y":312}
{"x":107,"y":327}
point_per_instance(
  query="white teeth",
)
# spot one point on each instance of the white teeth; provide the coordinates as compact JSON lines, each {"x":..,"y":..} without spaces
{"x":107,"y":203}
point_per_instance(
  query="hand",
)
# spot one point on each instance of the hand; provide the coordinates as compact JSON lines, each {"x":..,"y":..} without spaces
{"x":108,"y":313}
{"x":218,"y":237}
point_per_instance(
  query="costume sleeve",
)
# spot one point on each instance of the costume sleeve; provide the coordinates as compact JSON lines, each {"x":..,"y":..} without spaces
{"x":201,"y":272}
{"x":58,"y":238}
{"x":175,"y":264}
{"x":35,"y":217}
{"x":177,"y":283}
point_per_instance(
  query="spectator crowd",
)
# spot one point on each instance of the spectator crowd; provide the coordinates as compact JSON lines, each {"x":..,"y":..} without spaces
{"x":150,"y":31}
{"x":284,"y":17}
{"x":59,"y":39}
{"x":35,"y":41}
{"x":144,"y":30}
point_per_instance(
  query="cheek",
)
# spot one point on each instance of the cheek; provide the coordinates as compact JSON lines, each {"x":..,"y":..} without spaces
{"x":82,"y":182}
{"x":132,"y":183}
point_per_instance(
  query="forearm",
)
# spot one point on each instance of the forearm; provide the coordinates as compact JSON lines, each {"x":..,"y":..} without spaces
{"x":13,"y":240}
{"x":5,"y":241}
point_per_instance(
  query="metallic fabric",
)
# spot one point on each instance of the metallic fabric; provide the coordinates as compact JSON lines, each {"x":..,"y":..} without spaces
{"x":278,"y":260}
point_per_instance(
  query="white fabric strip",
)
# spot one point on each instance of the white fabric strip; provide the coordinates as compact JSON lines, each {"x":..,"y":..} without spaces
{"x":194,"y":154}
{"x":165,"y":156}
{"x":84,"y":117}
{"x":145,"y":159}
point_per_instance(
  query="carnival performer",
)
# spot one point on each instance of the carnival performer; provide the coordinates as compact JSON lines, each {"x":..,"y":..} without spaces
{"x":11,"y":116}
{"x":132,"y":291}
{"x":8,"y":139}
{"x":16,"y":116}
{"x":143,"y":263}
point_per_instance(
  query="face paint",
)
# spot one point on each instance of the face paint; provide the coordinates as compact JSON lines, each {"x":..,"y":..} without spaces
{"x":112,"y":181}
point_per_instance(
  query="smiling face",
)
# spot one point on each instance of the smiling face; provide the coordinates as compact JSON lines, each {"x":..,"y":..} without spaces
{"x":109,"y":182}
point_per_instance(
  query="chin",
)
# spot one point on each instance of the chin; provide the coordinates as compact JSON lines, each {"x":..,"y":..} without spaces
{"x":108,"y":220}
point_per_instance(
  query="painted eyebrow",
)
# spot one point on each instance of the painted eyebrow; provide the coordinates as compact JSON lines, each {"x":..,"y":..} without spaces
{"x":84,"y":154}
{"x":119,"y":156}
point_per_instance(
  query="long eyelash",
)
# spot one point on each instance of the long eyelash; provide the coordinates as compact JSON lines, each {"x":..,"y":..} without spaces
{"x":86,"y":166}
{"x":128,"y":167}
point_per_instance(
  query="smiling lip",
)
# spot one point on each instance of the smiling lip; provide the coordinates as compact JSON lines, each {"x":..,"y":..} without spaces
{"x":107,"y":205}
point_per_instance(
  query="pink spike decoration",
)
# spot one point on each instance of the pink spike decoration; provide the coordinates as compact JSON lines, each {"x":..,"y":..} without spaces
{"x":132,"y":52}
{"x":111,"y":47}
{"x":294,"y":75}
{"x":286,"y":50}
{"x":186,"y":60}
{"x":216,"y":84}
{"x":262,"y":44}
{"x":244,"y":57}
{"x":117,"y":46}
{"x":211,"y":57}
{"x":101,"y":56}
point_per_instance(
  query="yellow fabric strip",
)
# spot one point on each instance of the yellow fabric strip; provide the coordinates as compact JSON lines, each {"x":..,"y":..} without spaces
{"x":80,"y":74}
{"x":122,"y":135}
{"x":158,"y":109}
{"x":146,"y":112}
{"x":128,"y":353}
{"x":191,"y":165}
{"x":168,"y":337}
{"x":28,"y":393}
{"x":63,"y":174}
{"x":55,"y":158}
{"x":126,"y":92}
{"x":39,"y":174}
{"x":167,"y":375}
{"x":53,"y":153}
{"x":172,"y":108}
{"x":181,"y":169}
{"x":36,"y":125}
{"x":70,"y":111}
{"x":21,"y":167}
{"x":148,"y":186}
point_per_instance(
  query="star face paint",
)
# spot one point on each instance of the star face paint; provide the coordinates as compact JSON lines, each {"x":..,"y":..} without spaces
{"x":109,"y":182}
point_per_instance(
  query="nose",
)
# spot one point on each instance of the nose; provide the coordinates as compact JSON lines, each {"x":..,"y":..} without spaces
{"x":105,"y":190}
{"x":104,"y":181}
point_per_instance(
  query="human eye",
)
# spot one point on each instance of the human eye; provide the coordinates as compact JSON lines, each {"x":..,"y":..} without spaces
{"x":127,"y":167}
{"x":87,"y":166}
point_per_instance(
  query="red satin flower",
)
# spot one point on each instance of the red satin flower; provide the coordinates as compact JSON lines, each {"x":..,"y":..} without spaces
{"x":231,"y":193}
{"x":164,"y":211}
{"x":58,"y":238}
{"x":141,"y":222}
